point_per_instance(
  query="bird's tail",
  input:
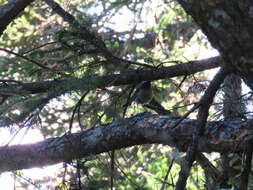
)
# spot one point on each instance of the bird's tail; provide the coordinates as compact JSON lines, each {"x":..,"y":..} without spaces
{"x":157,"y":107}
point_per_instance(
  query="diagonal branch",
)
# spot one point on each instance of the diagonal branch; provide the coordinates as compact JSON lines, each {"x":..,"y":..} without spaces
{"x":205,"y":104}
{"x":88,"y":35}
{"x":209,"y":167}
{"x":9,"y":11}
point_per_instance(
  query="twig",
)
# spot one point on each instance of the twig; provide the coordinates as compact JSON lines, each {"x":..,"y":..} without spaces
{"x":126,"y":176}
{"x":208,"y":167}
{"x":112,"y":168}
{"x":167,"y":174}
{"x":63,"y":182}
{"x":28,"y":180}
{"x":178,"y":87}
{"x":79,"y":103}
{"x":49,"y":43}
{"x":28,"y":59}
{"x":11,"y":81}
{"x":87,"y":34}
{"x":79,"y":183}
{"x":196,"y":106}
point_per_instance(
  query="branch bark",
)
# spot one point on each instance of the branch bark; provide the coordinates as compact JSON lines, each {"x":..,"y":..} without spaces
{"x":228,"y":26}
{"x":93,"y":82}
{"x":140,"y":129}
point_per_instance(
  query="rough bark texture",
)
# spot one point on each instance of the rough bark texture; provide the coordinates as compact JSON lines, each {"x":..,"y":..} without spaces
{"x":233,"y":106}
{"x":140,"y":129}
{"x":229,"y":27}
{"x":233,"y":109}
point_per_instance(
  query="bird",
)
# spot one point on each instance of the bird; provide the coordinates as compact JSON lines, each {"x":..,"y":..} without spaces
{"x":143,"y":95}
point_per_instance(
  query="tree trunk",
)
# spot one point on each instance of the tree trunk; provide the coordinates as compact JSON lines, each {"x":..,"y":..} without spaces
{"x":229,"y":27}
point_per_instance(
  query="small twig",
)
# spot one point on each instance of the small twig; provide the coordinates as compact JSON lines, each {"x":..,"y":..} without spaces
{"x":185,"y":105}
{"x":196,"y":106}
{"x":128,"y":100}
{"x":178,"y":87}
{"x":78,"y":174}
{"x":208,"y":167}
{"x":11,"y":81}
{"x":28,"y":180}
{"x":13,"y":137}
{"x":28,"y":59}
{"x":126,"y":176}
{"x":167,"y":174}
{"x":112,"y":168}
{"x":133,"y":62}
{"x":63,"y":183}
{"x":49,"y":43}
{"x":79,"y":103}
{"x":127,"y":44}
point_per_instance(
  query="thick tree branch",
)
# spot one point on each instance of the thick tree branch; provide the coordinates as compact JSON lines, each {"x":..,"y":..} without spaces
{"x":9,"y":11}
{"x":140,"y":129}
{"x":128,"y":77}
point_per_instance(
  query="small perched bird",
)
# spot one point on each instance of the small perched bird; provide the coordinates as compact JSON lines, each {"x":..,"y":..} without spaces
{"x":143,"y":94}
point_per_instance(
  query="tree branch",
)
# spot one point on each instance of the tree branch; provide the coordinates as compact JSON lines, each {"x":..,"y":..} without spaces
{"x":228,"y":27}
{"x":9,"y":11}
{"x":87,"y":34}
{"x":128,"y":77}
{"x":244,"y":181}
{"x":140,"y":129}
{"x":205,"y":103}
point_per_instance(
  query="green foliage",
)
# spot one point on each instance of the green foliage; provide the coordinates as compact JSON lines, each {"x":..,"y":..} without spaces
{"x":22,"y":30}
